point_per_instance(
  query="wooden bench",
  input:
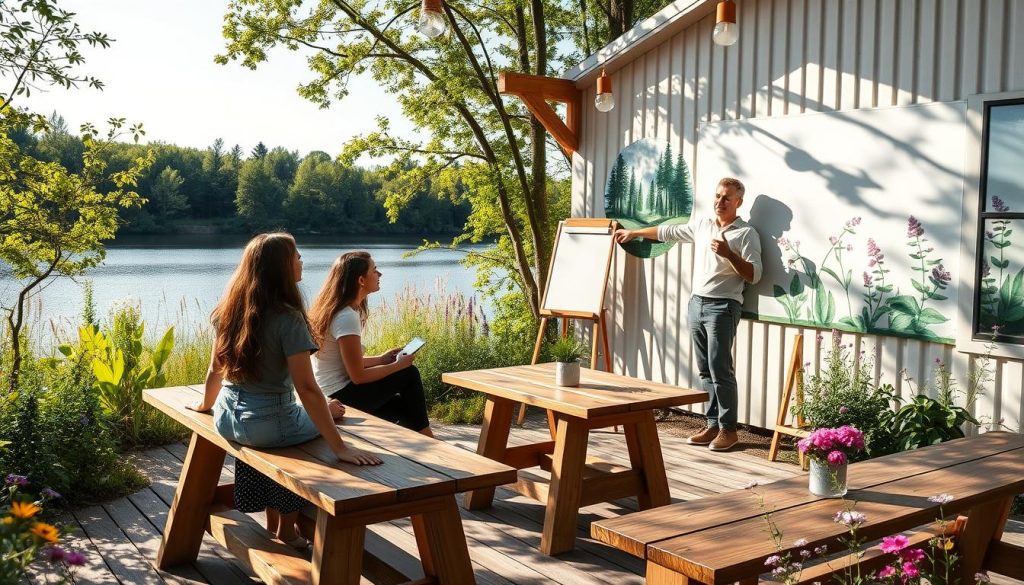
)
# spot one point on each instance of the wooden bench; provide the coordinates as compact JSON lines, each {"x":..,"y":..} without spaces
{"x":724,"y":539}
{"x":418,"y":479}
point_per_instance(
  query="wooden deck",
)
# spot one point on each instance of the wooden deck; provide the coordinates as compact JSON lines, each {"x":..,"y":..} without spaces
{"x":122,"y":536}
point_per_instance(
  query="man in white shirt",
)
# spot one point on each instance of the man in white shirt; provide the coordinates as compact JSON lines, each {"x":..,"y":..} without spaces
{"x":728,"y":257}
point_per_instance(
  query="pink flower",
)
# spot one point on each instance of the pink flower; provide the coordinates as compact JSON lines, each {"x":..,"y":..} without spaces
{"x":844,"y":409}
{"x":54,"y":554}
{"x":886,"y":572}
{"x":772,"y":561}
{"x":940,"y":274}
{"x":894,"y":544}
{"x":910,"y":570}
{"x":837,"y":458}
{"x":868,"y":281}
{"x":74,"y":558}
{"x":914,"y":229}
{"x":912,"y":555}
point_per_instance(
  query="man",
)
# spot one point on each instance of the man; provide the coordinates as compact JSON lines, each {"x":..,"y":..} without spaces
{"x":728,"y":256}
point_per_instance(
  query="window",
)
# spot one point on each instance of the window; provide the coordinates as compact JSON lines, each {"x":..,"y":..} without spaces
{"x":992,"y":253}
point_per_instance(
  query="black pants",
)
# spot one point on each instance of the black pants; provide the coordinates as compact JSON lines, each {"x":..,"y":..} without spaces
{"x":396,"y":398}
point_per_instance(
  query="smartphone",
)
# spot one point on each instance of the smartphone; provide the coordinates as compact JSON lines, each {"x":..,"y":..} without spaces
{"x":413,"y":346}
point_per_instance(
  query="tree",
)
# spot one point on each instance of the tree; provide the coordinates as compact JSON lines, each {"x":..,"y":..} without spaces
{"x":39,"y":46}
{"x":471,"y":135}
{"x":260,"y":151}
{"x":166,"y":201}
{"x":260,"y":195}
{"x":53,"y":222}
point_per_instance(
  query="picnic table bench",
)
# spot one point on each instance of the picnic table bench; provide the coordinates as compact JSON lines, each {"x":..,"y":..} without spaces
{"x":602,"y":399}
{"x":418,"y":479}
{"x":723,"y":539}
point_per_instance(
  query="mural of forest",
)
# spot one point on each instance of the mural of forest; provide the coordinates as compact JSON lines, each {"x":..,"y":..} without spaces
{"x":648,"y":185}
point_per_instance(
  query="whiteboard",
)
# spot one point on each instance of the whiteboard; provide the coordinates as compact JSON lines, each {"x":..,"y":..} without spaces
{"x":858,"y":213}
{"x":579,"y":269}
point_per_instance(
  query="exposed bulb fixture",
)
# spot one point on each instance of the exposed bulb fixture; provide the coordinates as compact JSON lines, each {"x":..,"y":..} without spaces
{"x":726,"y":31}
{"x":605,"y":101}
{"x":431,"y":23}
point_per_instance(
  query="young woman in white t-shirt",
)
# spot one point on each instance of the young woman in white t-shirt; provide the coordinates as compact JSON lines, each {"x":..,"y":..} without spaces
{"x":386,"y":385}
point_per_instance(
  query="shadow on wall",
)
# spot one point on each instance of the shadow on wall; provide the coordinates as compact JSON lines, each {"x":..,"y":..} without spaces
{"x":772,"y":218}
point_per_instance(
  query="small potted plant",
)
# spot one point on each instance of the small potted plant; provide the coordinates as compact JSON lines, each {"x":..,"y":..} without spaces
{"x":567,"y":353}
{"x":830,"y":451}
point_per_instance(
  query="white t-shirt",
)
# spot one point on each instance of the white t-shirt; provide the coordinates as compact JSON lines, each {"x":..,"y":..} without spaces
{"x":713,"y":276}
{"x":328,"y":367}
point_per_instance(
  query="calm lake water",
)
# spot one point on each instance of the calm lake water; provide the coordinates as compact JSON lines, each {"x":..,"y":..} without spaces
{"x":178,"y":280}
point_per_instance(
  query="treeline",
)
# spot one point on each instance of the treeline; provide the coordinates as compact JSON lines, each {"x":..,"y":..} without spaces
{"x":233,"y":191}
{"x":668,"y":195}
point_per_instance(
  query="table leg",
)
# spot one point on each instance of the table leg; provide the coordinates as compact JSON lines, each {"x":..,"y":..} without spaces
{"x":337,"y":551}
{"x":493,"y":443}
{"x":566,"y":486}
{"x":645,"y":455}
{"x":985,"y":523}
{"x":442,"y":545}
{"x":659,"y":575}
{"x":190,"y":510}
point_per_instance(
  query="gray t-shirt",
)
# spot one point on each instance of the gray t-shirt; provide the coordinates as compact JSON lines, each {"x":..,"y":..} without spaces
{"x":284,"y":334}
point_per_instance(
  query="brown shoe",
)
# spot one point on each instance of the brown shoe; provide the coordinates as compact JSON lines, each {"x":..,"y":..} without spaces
{"x":725,"y":440}
{"x":704,"y":437}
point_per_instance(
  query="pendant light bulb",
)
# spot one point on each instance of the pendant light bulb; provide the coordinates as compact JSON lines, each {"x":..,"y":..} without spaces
{"x":726,"y":31}
{"x":605,"y":100}
{"x":431,"y":23}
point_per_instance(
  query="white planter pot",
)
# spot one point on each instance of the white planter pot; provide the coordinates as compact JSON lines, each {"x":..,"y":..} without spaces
{"x":827,"y":481}
{"x":567,"y":373}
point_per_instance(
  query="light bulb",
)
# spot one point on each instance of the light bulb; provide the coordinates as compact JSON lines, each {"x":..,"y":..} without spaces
{"x":604,"y":102}
{"x":431,"y":23}
{"x":726,"y":34}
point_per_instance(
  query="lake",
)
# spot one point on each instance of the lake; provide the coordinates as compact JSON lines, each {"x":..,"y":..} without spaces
{"x":178,"y":280}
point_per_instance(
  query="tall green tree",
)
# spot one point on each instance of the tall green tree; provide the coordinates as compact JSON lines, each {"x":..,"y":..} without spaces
{"x":166,"y":201}
{"x":448,"y":89}
{"x":260,"y":195}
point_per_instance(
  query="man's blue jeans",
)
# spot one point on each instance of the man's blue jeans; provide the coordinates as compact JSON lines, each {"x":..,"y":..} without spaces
{"x":713,"y":324}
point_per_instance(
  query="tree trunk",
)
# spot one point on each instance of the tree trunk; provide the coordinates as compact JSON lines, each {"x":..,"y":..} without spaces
{"x":620,"y":18}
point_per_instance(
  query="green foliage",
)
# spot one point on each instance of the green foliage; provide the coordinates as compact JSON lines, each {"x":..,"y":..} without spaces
{"x":59,"y":435}
{"x":843,"y":393}
{"x":927,"y":420}
{"x":567,"y":349}
{"x":116,"y":358}
{"x":458,"y":337}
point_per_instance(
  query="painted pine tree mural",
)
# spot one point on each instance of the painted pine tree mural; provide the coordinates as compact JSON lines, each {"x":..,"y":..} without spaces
{"x":649,"y":187}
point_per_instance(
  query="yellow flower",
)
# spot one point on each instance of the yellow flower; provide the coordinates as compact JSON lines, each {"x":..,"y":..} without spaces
{"x":24,"y":510}
{"x":947,"y":544}
{"x":47,"y":532}
{"x":8,"y":520}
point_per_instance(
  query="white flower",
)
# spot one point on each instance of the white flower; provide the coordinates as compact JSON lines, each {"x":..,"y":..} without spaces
{"x":941,"y":499}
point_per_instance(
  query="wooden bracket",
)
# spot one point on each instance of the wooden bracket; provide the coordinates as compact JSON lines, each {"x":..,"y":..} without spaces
{"x":794,"y":385}
{"x":535,"y":91}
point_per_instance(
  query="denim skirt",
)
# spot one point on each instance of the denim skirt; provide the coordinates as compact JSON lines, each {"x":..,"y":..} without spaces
{"x":259,"y":419}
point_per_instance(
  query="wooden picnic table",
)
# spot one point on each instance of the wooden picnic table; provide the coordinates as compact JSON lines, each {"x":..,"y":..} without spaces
{"x":418,"y":478}
{"x":723,"y":539}
{"x":601,"y":400}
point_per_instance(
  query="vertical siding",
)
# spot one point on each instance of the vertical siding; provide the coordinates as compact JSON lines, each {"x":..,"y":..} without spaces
{"x":794,"y":56}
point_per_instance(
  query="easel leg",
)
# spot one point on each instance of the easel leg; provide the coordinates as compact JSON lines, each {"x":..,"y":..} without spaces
{"x":493,"y":443}
{"x":595,"y":331}
{"x":604,"y":339}
{"x":190,"y":510}
{"x":536,"y":356}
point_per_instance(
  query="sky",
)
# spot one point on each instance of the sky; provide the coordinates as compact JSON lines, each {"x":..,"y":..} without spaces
{"x":160,"y":72}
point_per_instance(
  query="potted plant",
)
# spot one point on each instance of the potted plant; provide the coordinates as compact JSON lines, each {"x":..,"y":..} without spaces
{"x":830,"y":451}
{"x":567,"y":352}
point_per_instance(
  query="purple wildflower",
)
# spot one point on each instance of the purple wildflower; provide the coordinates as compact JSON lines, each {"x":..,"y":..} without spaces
{"x":74,"y":558}
{"x":868,"y":281}
{"x":844,"y":409}
{"x":14,"y":479}
{"x":999,"y":205}
{"x":914,"y":229}
{"x":820,"y":550}
{"x":833,"y":240}
{"x":800,"y":542}
{"x":84,"y":419}
{"x":54,"y":554}
{"x":772,"y":561}
{"x":849,"y":518}
{"x":50,"y":493}
{"x":941,"y":498}
{"x":940,"y":274}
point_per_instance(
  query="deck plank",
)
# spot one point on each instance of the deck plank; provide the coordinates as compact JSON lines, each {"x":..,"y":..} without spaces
{"x":122,"y":536}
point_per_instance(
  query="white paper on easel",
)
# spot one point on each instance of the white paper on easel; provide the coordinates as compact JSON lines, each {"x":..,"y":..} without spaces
{"x":579,"y":272}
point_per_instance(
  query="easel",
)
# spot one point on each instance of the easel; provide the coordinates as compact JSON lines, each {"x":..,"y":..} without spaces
{"x":599,"y":327}
{"x":794,"y":384}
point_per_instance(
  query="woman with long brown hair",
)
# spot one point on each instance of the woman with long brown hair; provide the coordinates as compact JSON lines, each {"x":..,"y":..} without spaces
{"x":386,"y":385}
{"x":261,"y":349}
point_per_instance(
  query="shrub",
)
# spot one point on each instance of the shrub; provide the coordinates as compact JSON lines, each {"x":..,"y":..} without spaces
{"x":59,"y":436}
{"x":844,"y":394}
{"x":458,"y":338}
{"x":925,"y":420}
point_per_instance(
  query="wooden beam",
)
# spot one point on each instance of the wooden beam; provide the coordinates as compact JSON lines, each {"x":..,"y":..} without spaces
{"x":535,"y":91}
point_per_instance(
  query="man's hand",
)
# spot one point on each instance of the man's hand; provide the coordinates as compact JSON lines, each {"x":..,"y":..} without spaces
{"x":721,"y":247}
{"x":623,"y":236}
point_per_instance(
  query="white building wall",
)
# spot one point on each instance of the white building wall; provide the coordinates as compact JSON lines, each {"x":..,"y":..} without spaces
{"x":793,"y":56}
